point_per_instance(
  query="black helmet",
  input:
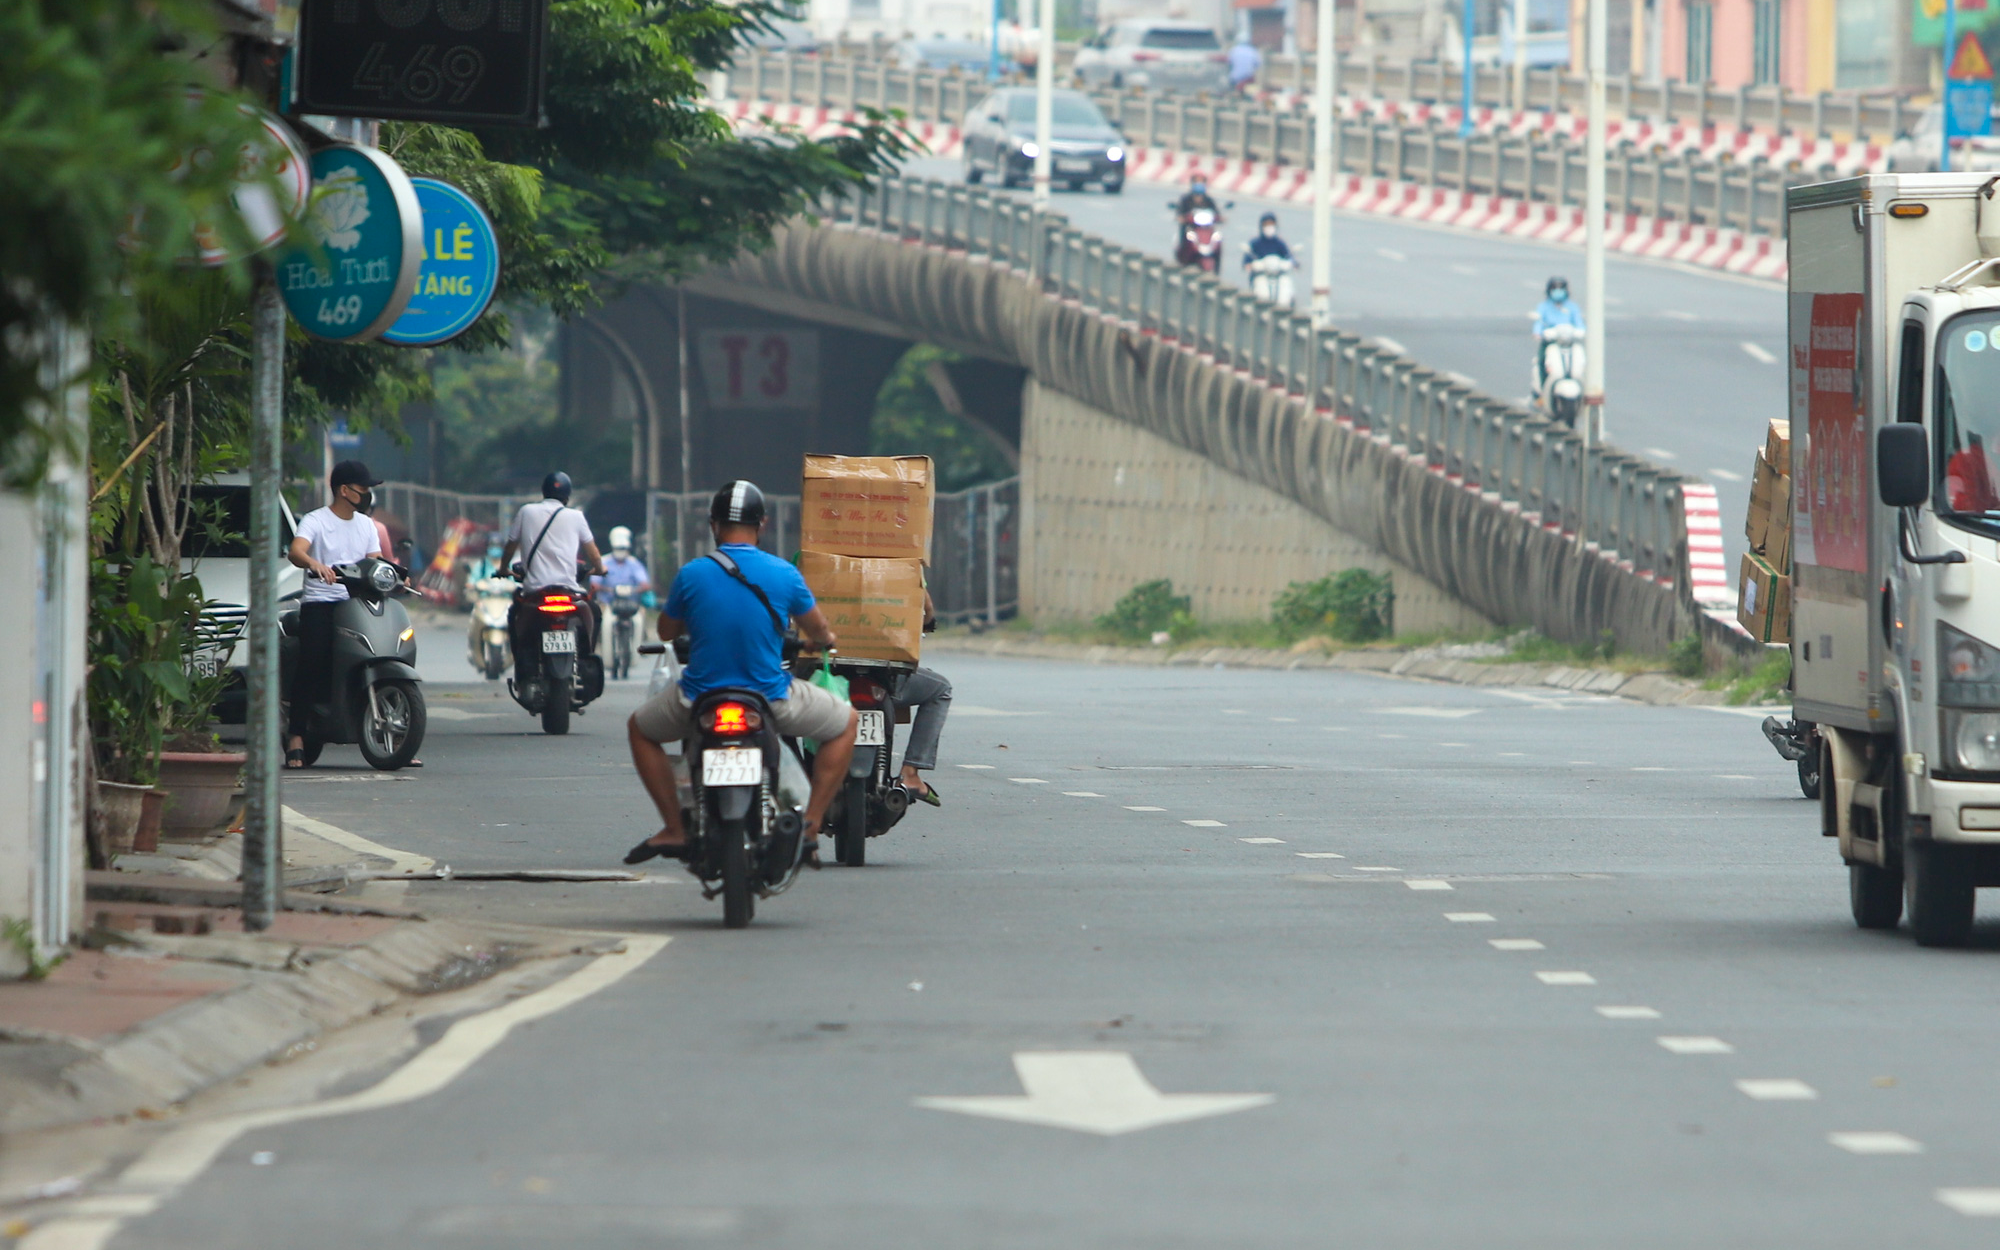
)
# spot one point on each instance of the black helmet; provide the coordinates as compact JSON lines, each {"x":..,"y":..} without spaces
{"x":556,"y":486}
{"x":1556,"y":284}
{"x":1270,"y":217}
{"x":737,"y":503}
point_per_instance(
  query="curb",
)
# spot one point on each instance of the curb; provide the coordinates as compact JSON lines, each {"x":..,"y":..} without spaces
{"x":1660,"y":689}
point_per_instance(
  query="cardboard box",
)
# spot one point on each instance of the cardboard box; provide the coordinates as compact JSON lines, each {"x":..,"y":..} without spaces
{"x":876,"y":607}
{"x":1766,"y":487}
{"x":872,"y":506}
{"x":1778,"y":446}
{"x":1778,"y":537}
{"x":1764,"y":600}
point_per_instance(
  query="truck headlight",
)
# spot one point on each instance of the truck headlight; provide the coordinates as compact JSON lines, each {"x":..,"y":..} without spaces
{"x":1974,"y":739}
{"x":1971,"y":676}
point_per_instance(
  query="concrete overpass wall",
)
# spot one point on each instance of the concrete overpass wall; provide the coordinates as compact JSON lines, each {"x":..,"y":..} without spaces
{"x":1499,"y":562}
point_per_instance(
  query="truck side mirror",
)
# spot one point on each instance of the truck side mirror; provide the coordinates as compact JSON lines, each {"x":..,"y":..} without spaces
{"x":1903,"y":464}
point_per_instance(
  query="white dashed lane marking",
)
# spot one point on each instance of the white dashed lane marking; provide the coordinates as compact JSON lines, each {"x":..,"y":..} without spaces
{"x":1319,"y":855}
{"x":1130,"y":808}
{"x":1514,"y":944}
{"x":1082,"y":794}
{"x":1263,"y":841}
{"x":1777,"y":1089}
{"x":1027,"y":781}
{"x":1758,"y":354}
{"x":1565,"y":978}
{"x":1205,"y":824}
{"x":1695,"y":1045}
{"x":980,"y":767}
{"x":1428,"y":885}
{"x":1876,"y":1143}
{"x":1378,"y":869}
{"x":1971,"y":1201}
{"x":1469,"y":917}
{"x":1628,"y":1013}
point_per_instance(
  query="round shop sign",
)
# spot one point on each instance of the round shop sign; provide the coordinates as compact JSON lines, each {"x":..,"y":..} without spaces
{"x":459,"y":270}
{"x":354,"y":275}
{"x":272,"y":188}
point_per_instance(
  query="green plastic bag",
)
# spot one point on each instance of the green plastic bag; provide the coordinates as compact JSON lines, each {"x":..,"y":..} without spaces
{"x":834,"y":684}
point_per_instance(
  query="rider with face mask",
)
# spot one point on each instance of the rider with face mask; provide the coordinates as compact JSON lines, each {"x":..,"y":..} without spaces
{"x":1266,"y":242}
{"x":1556,"y":310}
{"x":1197,"y":197}
{"x":340,"y":533}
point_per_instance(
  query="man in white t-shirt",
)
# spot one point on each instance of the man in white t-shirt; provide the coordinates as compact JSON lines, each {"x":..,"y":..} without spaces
{"x":552,"y":538}
{"x":339,"y":533}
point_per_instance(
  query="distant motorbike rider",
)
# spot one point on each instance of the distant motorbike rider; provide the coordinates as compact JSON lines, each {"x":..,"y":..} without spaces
{"x":1557,"y":309}
{"x":340,"y":533}
{"x":553,"y":538}
{"x":1197,"y":197}
{"x":1265,"y":242}
{"x":622,"y":568}
{"x":733,"y":606}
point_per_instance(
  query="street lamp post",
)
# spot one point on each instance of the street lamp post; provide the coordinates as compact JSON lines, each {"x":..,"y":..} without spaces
{"x":1466,"y":76}
{"x":1326,"y":65}
{"x":1045,"y":99}
{"x":263,"y":821}
{"x":1593,"y":257}
{"x":1520,"y":55}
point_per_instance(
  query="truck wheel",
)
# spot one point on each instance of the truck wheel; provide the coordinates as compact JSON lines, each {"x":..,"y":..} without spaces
{"x":1809,"y":772}
{"x":1875,"y":895}
{"x":1938,"y":892}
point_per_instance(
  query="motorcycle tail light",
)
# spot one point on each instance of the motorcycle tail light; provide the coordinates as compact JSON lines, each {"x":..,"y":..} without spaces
{"x":731,"y":720}
{"x":866,"y":694}
{"x":558,"y":603}
{"x":1145,"y":56}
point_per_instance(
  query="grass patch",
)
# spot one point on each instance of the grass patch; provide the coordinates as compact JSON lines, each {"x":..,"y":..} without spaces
{"x":1769,"y":682}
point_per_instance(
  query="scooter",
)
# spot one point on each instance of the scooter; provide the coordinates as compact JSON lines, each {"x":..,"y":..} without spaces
{"x":1271,"y":279}
{"x":1562,"y":373}
{"x":747,"y":791}
{"x":558,"y":674}
{"x":872,"y":799}
{"x":486,"y":645}
{"x":625,"y":605}
{"x":1198,"y":241}
{"x":376,"y":699}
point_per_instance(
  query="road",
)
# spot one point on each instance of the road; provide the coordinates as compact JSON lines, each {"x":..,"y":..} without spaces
{"x":1498,"y":960}
{"x":1694,"y":360}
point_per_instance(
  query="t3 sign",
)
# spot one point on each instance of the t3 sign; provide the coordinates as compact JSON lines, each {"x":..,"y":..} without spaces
{"x":460,"y":62}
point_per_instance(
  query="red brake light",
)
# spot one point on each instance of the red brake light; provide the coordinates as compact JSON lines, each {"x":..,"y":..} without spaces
{"x":1145,"y":56}
{"x":733,"y":720}
{"x":558,"y":603}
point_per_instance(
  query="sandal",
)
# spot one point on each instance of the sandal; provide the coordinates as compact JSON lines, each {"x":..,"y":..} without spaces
{"x":295,"y":758}
{"x":930,"y":796}
{"x":649,"y":849}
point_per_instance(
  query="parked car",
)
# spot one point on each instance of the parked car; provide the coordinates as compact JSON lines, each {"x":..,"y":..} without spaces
{"x":944,"y":55}
{"x":216,"y":549}
{"x":1917,"y":150}
{"x":1153,"y":52}
{"x":1000,"y":140}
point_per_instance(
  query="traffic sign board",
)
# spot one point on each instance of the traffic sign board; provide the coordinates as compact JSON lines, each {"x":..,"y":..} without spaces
{"x":1970,"y":61}
{"x":462,"y":62}
{"x":354,"y":277}
{"x":459,"y":270}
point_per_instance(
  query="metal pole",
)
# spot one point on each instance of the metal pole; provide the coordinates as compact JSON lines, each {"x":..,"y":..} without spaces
{"x":1944,"y":81}
{"x":1466,"y":77}
{"x":1045,"y":89}
{"x":263,"y":822}
{"x":992,"y":555}
{"x":993,"y":48}
{"x":1326,"y":65}
{"x":1520,"y":55}
{"x":687,"y":434}
{"x":1593,"y":259}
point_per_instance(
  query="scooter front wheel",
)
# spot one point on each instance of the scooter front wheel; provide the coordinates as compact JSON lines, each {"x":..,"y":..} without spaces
{"x":394,"y":731}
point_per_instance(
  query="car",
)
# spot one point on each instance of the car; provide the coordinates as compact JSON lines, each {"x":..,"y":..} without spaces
{"x":999,"y":139}
{"x":944,"y":55}
{"x":216,"y":549}
{"x":1156,"y":53}
{"x":1916,"y":151}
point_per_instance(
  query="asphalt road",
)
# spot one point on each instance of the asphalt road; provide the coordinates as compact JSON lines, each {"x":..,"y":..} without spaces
{"x":1694,"y":360}
{"x":1403,"y":912}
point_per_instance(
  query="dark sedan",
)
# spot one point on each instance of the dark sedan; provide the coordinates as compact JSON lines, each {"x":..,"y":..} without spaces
{"x":1084,"y":147}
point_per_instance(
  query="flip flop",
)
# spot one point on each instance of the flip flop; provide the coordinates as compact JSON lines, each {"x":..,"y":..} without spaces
{"x":930,"y":796}
{"x":295,"y":758}
{"x":648,"y":850}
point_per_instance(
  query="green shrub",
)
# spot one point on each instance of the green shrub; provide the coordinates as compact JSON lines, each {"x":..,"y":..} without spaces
{"x":1684,"y":658}
{"x":1147,"y":609}
{"x":1352,"y":606}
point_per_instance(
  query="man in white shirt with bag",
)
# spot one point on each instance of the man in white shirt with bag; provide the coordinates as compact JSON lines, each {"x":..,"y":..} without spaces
{"x":553,"y":538}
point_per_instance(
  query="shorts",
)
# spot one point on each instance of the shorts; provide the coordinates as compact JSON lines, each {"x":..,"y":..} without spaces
{"x":807,"y":712}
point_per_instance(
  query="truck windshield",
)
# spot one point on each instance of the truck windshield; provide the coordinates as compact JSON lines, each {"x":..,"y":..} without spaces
{"x":1968,"y":415}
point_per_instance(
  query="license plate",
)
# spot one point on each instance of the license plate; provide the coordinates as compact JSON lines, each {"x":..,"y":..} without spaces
{"x":558,"y":642}
{"x":1073,"y":167}
{"x":870,"y":732}
{"x":204,"y":666}
{"x":732,"y":768}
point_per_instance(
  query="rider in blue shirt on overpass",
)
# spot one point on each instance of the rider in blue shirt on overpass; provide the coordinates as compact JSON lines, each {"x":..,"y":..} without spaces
{"x":1557,"y":309}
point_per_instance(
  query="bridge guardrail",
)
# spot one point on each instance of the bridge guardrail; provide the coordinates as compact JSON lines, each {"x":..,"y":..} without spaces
{"x":1630,"y":509}
{"x":1535,"y":168}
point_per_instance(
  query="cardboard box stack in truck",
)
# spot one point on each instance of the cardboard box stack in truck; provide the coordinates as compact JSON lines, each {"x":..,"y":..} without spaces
{"x":864,"y":534}
{"x":1895,"y":633}
{"x":1764,"y":581}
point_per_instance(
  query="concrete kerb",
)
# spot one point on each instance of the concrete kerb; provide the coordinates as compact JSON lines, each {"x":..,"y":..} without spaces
{"x":1661,"y":689}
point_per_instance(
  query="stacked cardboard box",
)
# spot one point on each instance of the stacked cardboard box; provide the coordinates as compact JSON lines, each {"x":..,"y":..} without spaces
{"x":1764,"y":581}
{"x":864,"y":531}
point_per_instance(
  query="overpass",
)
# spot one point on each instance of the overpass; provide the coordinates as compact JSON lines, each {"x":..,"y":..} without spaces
{"x":1170,"y":426}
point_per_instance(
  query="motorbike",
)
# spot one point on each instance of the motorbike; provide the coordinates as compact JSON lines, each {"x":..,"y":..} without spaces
{"x":1562,"y":373}
{"x":486,"y":645}
{"x":1198,"y":240}
{"x":1271,"y":279}
{"x":375,"y":698}
{"x":747,"y":790}
{"x":625,"y":607}
{"x":872,"y":799}
{"x":559,"y":675}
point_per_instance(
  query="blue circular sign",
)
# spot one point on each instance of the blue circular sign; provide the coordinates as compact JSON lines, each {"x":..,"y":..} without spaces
{"x":353,"y":277}
{"x":460,"y":268}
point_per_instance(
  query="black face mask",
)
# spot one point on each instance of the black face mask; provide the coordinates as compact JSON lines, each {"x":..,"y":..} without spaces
{"x":366,"y":504}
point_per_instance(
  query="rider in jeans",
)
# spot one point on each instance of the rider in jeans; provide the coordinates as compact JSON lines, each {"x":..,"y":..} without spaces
{"x":734,"y":642}
{"x":928,"y":693}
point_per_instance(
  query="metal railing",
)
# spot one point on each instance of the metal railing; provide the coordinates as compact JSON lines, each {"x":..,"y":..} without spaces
{"x":1536,"y":168}
{"x":975,"y":544}
{"x":1865,"y":117}
{"x":1629,"y":508}
{"x":423,"y":512}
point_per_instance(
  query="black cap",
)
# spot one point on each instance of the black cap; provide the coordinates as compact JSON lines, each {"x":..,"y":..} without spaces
{"x":556,"y":486}
{"x":351,"y":473}
{"x":737,"y":503}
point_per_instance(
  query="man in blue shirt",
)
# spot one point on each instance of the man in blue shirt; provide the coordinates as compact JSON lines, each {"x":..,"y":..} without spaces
{"x":734,"y":643}
{"x":1244,"y":62}
{"x":1556,"y":310}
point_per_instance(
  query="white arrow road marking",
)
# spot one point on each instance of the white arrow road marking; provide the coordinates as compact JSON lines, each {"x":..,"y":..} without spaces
{"x":1092,"y":1091}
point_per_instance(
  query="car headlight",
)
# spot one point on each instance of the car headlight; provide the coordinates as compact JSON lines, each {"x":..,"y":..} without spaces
{"x":1114,"y":153}
{"x":1029,"y":150}
{"x":1973,"y":739}
{"x":383,"y":577}
{"x":1971,"y":676}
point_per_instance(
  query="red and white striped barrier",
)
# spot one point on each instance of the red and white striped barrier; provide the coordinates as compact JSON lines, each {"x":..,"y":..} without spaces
{"x":1708,"y":570}
{"x":1706,"y":247}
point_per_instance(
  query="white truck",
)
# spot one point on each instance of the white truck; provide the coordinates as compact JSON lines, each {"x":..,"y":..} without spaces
{"x":1895,"y":409}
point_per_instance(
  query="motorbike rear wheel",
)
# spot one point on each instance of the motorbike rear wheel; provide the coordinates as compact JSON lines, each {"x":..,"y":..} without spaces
{"x":850,"y":841}
{"x":556,"y":699}
{"x":739,"y":905}
{"x":391,"y":741}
